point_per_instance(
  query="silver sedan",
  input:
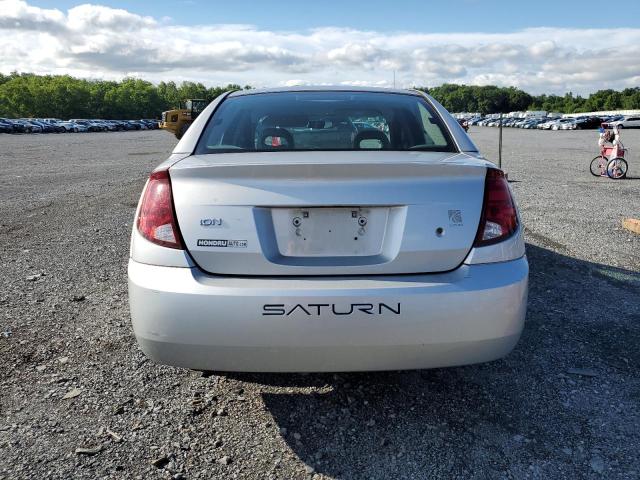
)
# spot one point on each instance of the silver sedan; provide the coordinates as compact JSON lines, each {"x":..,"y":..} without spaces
{"x":326,"y":229}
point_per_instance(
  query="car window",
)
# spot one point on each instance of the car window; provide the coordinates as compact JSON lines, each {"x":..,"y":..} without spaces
{"x":433,"y":134}
{"x":303,"y":121}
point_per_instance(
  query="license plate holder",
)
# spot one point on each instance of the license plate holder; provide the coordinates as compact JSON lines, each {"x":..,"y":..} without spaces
{"x":330,"y":231}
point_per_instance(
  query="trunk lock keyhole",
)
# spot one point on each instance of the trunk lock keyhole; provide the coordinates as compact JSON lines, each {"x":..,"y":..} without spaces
{"x":362,"y":221}
{"x":297,"y":221}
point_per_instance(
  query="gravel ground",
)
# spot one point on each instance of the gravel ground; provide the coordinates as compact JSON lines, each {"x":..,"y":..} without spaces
{"x":79,"y":400}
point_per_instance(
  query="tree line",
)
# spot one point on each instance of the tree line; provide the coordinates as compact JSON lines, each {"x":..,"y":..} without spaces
{"x":492,"y":99}
{"x":63,"y":96}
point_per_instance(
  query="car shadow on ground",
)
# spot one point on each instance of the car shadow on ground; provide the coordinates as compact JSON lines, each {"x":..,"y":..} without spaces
{"x":529,"y":411}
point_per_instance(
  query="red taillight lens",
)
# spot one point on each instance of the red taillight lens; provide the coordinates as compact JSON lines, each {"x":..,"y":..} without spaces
{"x":156,"y":221}
{"x":499,"y":219}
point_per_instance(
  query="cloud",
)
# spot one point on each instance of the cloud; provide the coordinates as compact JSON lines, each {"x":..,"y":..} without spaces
{"x":103,"y":42}
{"x":95,"y":17}
{"x":22,"y":17}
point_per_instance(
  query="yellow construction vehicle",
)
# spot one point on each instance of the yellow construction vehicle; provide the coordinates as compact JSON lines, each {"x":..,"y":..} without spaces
{"x":177,"y":121}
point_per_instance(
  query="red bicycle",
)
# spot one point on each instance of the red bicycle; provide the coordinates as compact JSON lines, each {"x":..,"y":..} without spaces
{"x":610,"y":163}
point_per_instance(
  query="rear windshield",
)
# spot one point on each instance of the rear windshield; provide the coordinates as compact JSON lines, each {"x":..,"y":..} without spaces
{"x":304,"y":121}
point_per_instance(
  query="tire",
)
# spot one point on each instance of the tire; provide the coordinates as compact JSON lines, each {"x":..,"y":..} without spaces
{"x":617,"y":168}
{"x":595,"y":169}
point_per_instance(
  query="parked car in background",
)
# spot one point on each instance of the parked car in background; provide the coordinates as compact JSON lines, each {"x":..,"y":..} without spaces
{"x":143,"y":124}
{"x":119,"y":125}
{"x":45,"y":126}
{"x":53,"y":122}
{"x":552,"y":121}
{"x":262,"y":244}
{"x":546,"y":125}
{"x":18,"y":127}
{"x":588,"y":123}
{"x":91,"y":126}
{"x":613,"y":118}
{"x":10,"y":126}
{"x":74,"y":127}
{"x":6,"y":127}
{"x":153,"y":123}
{"x":626,"y":122}
{"x":552,"y":124}
{"x":533,"y":123}
{"x":29,"y":126}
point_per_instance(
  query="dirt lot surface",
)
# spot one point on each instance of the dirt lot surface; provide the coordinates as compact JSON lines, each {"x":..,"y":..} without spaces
{"x":79,"y":400}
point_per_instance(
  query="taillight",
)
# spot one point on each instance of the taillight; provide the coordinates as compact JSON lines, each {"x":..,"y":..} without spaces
{"x":156,"y":220}
{"x":499,"y":219}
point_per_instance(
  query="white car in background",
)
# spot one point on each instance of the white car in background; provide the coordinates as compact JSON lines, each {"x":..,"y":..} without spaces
{"x":280,"y":237}
{"x":628,"y":122}
{"x":547,"y":125}
{"x":572,"y":124}
{"x":563,"y":124}
{"x":73,"y":127}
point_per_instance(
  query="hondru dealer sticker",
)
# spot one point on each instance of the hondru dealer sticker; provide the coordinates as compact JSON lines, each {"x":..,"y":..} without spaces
{"x":205,"y":242}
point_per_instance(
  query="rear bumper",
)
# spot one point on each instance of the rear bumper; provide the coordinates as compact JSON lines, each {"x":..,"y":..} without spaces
{"x":185,"y":318}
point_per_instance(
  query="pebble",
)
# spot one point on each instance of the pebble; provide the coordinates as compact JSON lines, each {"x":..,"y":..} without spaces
{"x":597,"y":464}
{"x":78,"y":298}
{"x":116,"y":438}
{"x":41,"y":368}
{"x":160,"y":462}
{"x":582,"y":372}
{"x":72,"y":394}
{"x":224,"y":460}
{"x":89,"y":450}
{"x":297,"y":436}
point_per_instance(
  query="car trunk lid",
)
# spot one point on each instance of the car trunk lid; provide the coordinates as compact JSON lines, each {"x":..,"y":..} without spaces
{"x":328,"y":213}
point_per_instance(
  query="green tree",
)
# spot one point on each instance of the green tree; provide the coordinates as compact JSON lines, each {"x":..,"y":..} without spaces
{"x":63,"y":96}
